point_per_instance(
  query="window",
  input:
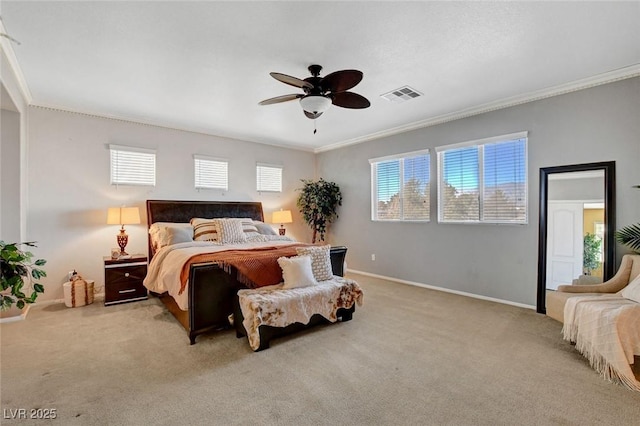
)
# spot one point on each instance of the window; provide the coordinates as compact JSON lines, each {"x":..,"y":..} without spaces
{"x":132,"y":166}
{"x":268,"y":178}
{"x":400,"y":187}
{"x":484,"y":181}
{"x":211,"y":173}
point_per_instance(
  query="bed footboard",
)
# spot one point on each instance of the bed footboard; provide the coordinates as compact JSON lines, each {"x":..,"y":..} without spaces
{"x":212,"y":293}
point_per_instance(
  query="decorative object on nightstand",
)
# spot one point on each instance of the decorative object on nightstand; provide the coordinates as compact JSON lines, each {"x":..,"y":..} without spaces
{"x":282,"y":217}
{"x":123,"y":216}
{"x":123,"y":279}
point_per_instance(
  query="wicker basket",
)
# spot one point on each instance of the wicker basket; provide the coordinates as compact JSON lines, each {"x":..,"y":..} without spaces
{"x":78,"y":292}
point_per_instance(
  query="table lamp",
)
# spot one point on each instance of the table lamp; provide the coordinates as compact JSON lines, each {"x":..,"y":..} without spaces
{"x":282,"y":217}
{"x":123,"y":216}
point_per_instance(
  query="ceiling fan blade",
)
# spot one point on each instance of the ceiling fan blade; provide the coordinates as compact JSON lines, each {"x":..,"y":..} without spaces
{"x":350,"y":100}
{"x":292,"y":81}
{"x":278,"y":99}
{"x":340,"y":81}
{"x":312,"y":115}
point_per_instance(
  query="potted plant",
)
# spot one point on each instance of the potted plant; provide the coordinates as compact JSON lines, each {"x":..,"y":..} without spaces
{"x":318,"y":203}
{"x":630,"y":235}
{"x":18,"y":276}
{"x":590,"y":253}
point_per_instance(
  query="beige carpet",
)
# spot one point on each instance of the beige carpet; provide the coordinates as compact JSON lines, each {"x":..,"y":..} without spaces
{"x":410,"y":356}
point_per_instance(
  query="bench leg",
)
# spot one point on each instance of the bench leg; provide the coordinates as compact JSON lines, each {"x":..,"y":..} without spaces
{"x":347,"y":316}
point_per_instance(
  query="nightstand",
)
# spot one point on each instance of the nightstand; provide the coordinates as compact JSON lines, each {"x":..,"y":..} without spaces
{"x":123,"y":279}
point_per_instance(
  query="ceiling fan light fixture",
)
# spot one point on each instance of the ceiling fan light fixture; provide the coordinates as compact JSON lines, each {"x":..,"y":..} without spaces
{"x":315,"y":103}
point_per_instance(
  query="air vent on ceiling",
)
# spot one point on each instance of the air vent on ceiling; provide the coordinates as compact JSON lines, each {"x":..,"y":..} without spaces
{"x":402,"y":94}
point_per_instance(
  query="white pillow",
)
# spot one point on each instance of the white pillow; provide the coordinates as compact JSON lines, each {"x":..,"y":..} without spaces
{"x":168,"y":233}
{"x":632,"y":290}
{"x":320,"y":261}
{"x":263,"y":228}
{"x":296,"y":272}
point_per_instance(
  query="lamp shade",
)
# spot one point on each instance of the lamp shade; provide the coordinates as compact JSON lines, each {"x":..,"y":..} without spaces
{"x":315,"y":103}
{"x":282,"y":216}
{"x":123,"y":216}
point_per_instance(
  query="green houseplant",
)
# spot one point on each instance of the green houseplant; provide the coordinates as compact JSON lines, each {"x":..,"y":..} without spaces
{"x":19,"y":275}
{"x":318,"y":202}
{"x":590,"y":253}
{"x":629,"y":235}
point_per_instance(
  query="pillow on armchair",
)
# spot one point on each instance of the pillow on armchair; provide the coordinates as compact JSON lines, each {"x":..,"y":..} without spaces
{"x":632,"y":291}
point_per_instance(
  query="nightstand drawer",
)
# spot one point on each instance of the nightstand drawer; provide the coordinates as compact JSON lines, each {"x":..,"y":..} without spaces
{"x":124,"y":283}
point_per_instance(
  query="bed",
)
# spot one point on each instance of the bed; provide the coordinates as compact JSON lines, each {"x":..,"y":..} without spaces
{"x":207,"y":301}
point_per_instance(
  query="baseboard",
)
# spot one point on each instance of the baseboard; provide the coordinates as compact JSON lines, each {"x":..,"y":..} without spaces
{"x":22,"y":316}
{"x":96,"y":297}
{"x":446,"y":290}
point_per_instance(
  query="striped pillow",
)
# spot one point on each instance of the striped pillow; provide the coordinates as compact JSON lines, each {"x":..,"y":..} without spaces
{"x":320,"y":261}
{"x":205,"y":229}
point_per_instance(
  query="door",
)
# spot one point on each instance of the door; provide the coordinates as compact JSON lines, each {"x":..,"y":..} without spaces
{"x":564,"y":243}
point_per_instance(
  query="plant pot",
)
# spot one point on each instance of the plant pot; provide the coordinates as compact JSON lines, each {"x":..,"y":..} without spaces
{"x":13,"y":314}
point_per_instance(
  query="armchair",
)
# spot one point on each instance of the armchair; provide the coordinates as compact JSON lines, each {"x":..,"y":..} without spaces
{"x":555,"y":300}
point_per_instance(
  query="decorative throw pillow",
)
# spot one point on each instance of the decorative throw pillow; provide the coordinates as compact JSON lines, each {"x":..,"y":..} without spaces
{"x":296,"y":272}
{"x":230,"y":231}
{"x":263,"y":228}
{"x":168,"y":233}
{"x":632,"y":290}
{"x":320,"y":261}
{"x":248,"y":225}
{"x":205,"y":229}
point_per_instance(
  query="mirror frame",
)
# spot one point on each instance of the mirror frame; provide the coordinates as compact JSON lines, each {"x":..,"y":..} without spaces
{"x":609,"y":168}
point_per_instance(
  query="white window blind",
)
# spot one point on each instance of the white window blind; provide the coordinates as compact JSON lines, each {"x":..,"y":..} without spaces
{"x":211,"y":173}
{"x":484,"y":181}
{"x":268,"y":177}
{"x":400,"y":187}
{"x":132,"y":166}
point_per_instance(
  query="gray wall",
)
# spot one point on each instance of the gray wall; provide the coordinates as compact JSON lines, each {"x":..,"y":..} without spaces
{"x":69,"y":190}
{"x":499,"y":261}
{"x":589,"y":189}
{"x":9,"y":176}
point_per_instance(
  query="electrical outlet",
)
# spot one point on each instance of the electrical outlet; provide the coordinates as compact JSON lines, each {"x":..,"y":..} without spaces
{"x":373,"y":257}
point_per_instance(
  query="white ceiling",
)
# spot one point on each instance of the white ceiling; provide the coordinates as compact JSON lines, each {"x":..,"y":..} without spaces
{"x":204,"y":66}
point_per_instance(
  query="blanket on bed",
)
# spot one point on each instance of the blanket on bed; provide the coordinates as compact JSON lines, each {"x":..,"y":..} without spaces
{"x":256,"y":267}
{"x":606,"y":330}
{"x":276,"y":307}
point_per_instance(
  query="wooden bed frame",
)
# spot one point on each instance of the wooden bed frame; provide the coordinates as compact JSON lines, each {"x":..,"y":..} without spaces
{"x":211,"y":290}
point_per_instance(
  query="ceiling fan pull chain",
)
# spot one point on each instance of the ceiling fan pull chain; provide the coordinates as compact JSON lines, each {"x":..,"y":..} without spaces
{"x":314,"y":126}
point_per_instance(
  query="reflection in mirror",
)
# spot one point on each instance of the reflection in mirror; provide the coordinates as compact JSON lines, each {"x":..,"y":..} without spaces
{"x":577,"y":223}
{"x":575,"y":228}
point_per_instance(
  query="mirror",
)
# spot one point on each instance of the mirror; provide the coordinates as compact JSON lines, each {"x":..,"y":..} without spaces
{"x":577,"y":211}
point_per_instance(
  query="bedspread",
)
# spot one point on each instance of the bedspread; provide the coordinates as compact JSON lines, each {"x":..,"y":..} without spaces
{"x":164,"y":270}
{"x":257,"y":267}
{"x":606,"y":330}
{"x":276,"y":307}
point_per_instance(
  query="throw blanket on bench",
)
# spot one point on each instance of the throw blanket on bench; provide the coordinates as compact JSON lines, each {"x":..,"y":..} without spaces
{"x":606,"y":330}
{"x":276,"y":307}
{"x":256,"y":267}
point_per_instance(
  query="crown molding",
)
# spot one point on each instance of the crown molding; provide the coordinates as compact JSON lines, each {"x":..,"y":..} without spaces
{"x":7,"y":48}
{"x":574,"y":86}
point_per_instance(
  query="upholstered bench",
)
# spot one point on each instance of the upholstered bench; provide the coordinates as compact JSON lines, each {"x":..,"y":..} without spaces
{"x":267,"y":312}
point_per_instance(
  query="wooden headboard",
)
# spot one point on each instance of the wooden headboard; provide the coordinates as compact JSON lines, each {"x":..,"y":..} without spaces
{"x":184,"y":211}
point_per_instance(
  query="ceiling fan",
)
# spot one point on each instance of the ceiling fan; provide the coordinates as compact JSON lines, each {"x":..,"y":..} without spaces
{"x":321,"y":92}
